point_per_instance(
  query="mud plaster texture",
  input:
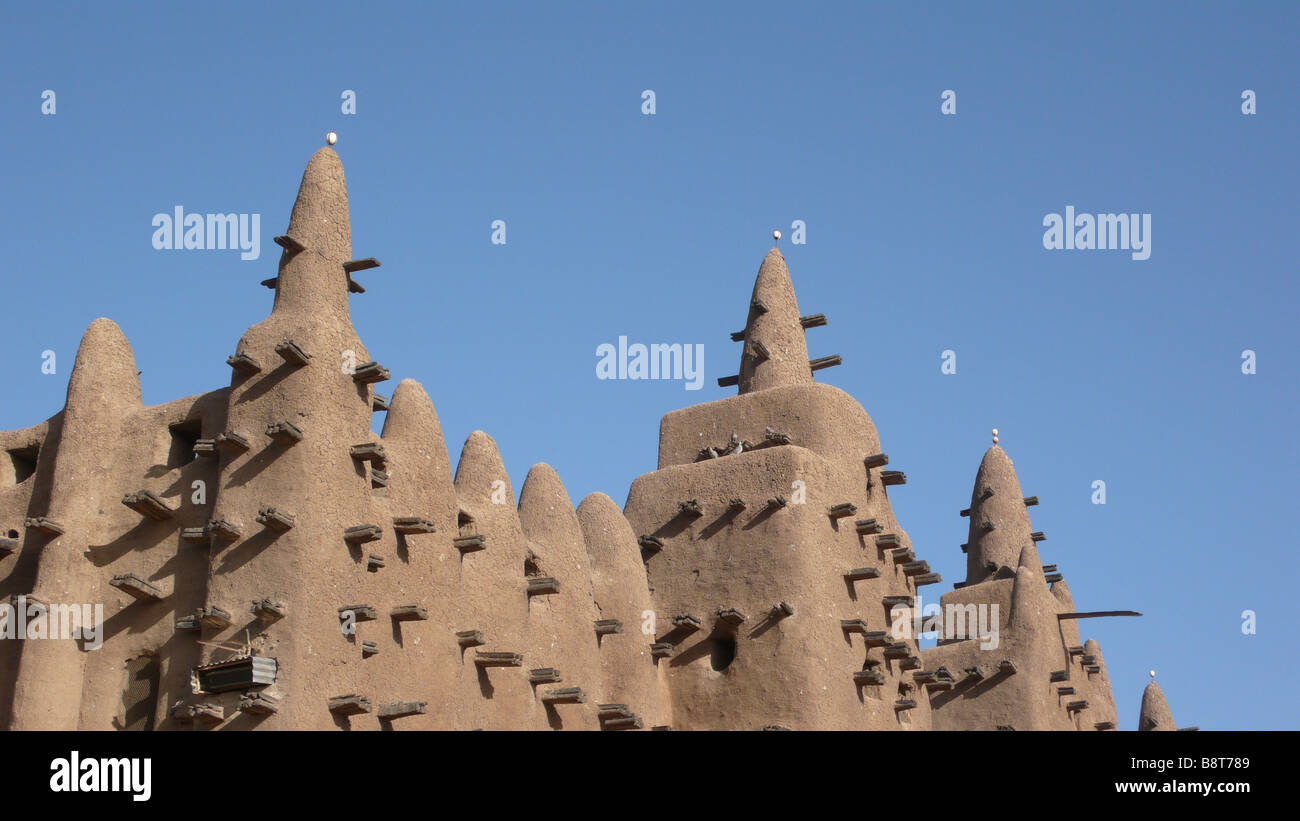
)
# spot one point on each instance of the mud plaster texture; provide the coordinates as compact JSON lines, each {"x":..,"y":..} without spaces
{"x":716,"y":599}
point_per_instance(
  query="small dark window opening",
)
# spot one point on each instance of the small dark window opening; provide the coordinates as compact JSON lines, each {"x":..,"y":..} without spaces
{"x":13,"y":534}
{"x":184,"y":436}
{"x":532,"y":567}
{"x":22,"y":462}
{"x":464,"y":524}
{"x":140,"y":695}
{"x":722,"y":651}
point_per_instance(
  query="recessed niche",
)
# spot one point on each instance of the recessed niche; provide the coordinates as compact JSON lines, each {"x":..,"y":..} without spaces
{"x":722,"y":651}
{"x":464,"y":524}
{"x":532,"y":567}
{"x":185,"y":435}
{"x":21,"y":464}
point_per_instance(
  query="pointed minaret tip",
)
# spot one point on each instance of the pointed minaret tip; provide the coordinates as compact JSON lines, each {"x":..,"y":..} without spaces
{"x":776,"y":351}
{"x":104,"y":370}
{"x":546,"y":513}
{"x":1155,"y":713}
{"x":320,"y":218}
{"x":1032,"y":606}
{"x":1029,"y":559}
{"x":411,"y":416}
{"x":999,"y":521}
{"x":605,"y":531}
{"x":479,"y":469}
{"x":311,"y":277}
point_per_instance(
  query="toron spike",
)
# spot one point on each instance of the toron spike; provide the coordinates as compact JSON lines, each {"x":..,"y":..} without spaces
{"x":824,"y":362}
{"x":290,"y":244}
{"x":147,"y":504}
{"x":285,"y":433}
{"x":244,"y":364}
{"x":470,"y":638}
{"x":273,"y":519}
{"x":293,"y":353}
{"x":137,"y":587}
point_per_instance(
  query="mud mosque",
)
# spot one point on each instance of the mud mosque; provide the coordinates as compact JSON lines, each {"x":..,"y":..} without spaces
{"x":266,"y":562}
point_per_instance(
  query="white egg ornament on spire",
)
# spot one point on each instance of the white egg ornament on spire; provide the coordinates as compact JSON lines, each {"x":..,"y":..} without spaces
{"x":331,"y":138}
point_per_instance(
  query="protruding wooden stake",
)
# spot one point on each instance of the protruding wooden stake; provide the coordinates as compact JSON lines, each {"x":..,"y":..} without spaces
{"x":358,"y":612}
{"x":290,"y":244}
{"x":413,"y":524}
{"x":292,"y":353}
{"x":824,"y":362}
{"x":401,"y":709}
{"x":137,"y":587}
{"x":284,"y":433}
{"x":860,"y":573}
{"x":409,"y":612}
{"x":842,"y":510}
{"x":485,"y":658}
{"x":731,"y":616}
{"x":244,"y":364}
{"x":371,"y":372}
{"x":543,"y":675}
{"x":148,"y":504}
{"x":273,"y":519}
{"x":470,"y":543}
{"x":543,"y":586}
{"x":232,"y":442}
{"x":224,"y":530}
{"x":606,"y":627}
{"x":349,"y":705}
{"x":360,"y":534}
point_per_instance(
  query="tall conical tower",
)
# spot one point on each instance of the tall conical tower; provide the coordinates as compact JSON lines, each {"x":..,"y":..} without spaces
{"x":110,"y":496}
{"x":1008,"y":636}
{"x":772,"y":553}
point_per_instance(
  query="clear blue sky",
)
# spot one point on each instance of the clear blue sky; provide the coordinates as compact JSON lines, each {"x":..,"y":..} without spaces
{"x":924,"y":233}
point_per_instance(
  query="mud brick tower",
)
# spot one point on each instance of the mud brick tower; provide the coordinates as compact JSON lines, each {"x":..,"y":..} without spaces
{"x":771,"y":549}
{"x":1039,"y":676}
